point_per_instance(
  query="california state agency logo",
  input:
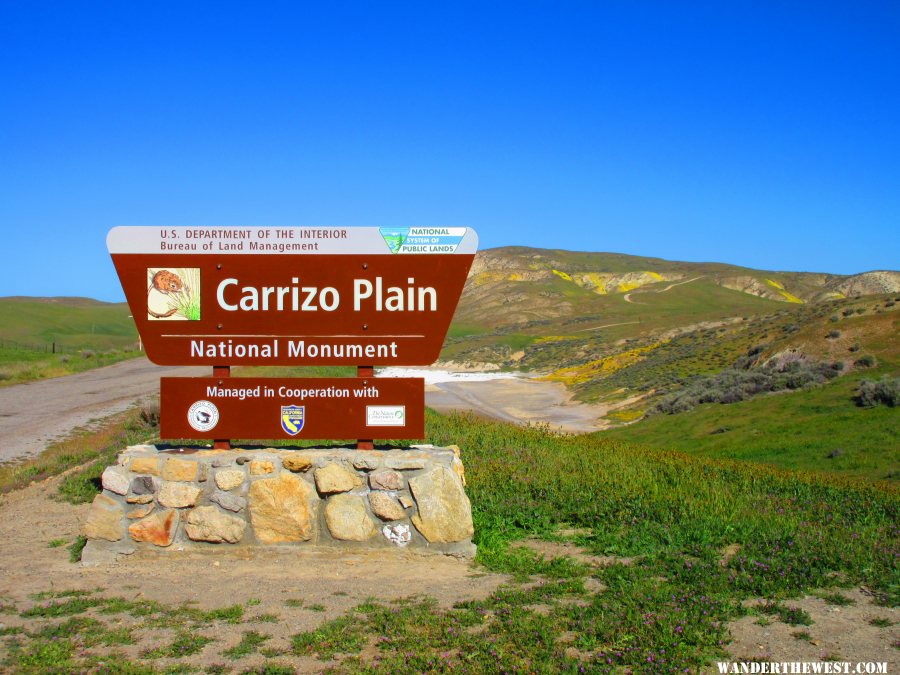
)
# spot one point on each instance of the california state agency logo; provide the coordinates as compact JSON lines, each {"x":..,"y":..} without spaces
{"x":292,"y":418}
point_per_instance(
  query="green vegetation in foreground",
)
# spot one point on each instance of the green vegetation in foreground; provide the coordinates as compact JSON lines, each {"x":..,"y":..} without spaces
{"x":665,"y":610}
{"x":818,"y":429}
{"x":26,"y":365}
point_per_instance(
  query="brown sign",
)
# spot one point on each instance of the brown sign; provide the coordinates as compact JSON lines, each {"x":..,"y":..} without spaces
{"x":292,"y":296}
{"x":287,"y":408}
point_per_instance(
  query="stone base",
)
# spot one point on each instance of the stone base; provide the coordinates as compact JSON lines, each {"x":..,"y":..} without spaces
{"x":187,"y":499}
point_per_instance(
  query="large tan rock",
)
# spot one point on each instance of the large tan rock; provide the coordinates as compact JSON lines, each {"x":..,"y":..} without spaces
{"x":386,"y":507}
{"x":178,"y":495}
{"x":333,"y":478}
{"x":445,"y":514}
{"x":229,"y":478}
{"x":179,"y":470}
{"x":296,"y":461}
{"x":158,"y":528}
{"x":115,"y":479}
{"x":386,"y":479}
{"x":104,"y":520}
{"x":149,"y":465}
{"x":207,"y":523}
{"x":281,"y":509}
{"x":141,"y":511}
{"x":347,"y":518}
{"x":458,"y":467}
{"x":260,"y":467}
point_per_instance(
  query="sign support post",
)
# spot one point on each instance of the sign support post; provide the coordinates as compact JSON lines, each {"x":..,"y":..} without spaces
{"x":365,"y":371}
{"x":222,"y":443}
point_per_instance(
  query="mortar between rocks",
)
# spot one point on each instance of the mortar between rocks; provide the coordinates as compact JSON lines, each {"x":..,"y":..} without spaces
{"x":181,"y":500}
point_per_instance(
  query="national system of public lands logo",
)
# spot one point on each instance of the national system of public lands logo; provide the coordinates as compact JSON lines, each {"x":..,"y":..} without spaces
{"x":173,"y":293}
{"x":422,"y":239}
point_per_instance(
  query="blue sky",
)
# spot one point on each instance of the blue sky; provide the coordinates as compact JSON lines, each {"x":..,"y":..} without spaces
{"x":757,"y":133}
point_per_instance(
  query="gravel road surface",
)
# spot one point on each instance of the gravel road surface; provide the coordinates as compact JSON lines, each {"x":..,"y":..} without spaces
{"x":34,"y":414}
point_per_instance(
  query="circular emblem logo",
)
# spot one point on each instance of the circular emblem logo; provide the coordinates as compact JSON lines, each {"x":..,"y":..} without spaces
{"x":203,"y":415}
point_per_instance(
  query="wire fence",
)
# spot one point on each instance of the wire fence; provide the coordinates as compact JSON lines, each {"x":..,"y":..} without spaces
{"x":47,"y":347}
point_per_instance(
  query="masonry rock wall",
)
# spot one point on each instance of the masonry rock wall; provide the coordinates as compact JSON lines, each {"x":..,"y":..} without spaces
{"x":186,"y":499}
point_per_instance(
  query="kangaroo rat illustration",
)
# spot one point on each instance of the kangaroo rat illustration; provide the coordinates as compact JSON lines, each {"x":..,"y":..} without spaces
{"x":165,"y":282}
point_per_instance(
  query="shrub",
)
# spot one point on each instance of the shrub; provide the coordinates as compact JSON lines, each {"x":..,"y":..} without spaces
{"x":150,"y":412}
{"x":866,"y":361}
{"x":788,"y":371}
{"x":886,"y":391}
{"x":855,"y":347}
{"x":834,"y":334}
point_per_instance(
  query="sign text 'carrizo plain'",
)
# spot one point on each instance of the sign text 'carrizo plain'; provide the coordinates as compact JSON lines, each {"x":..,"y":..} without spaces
{"x":292,"y":295}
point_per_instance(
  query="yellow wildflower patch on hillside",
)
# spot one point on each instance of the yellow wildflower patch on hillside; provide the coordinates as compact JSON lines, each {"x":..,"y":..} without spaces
{"x":562,"y":275}
{"x":601,"y":367}
{"x":489,"y":276}
{"x":596,"y":281}
{"x":780,"y":288}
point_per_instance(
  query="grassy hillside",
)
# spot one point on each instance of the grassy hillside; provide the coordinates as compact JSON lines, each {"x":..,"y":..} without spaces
{"x":820,"y":429}
{"x":71,"y":323}
{"x":50,"y":337}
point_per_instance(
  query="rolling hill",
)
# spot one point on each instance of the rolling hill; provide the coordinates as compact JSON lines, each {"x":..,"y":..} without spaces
{"x":628,"y":331}
{"x":73,"y":323}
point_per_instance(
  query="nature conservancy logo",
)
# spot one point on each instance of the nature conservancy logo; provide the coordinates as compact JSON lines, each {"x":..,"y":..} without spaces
{"x":292,"y":418}
{"x":385,"y":415}
{"x":422,"y":239}
{"x":173,"y":293}
{"x":203,"y":415}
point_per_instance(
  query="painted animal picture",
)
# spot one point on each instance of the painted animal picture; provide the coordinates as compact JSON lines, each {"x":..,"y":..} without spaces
{"x":173,"y":294}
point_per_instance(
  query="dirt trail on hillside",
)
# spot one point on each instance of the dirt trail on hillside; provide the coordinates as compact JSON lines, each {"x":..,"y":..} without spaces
{"x":32,"y":415}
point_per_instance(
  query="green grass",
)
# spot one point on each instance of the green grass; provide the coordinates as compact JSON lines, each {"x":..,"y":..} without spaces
{"x":820,"y":429}
{"x":668,"y":611}
{"x":87,"y":334}
{"x":73,"y":323}
{"x":249,"y":644}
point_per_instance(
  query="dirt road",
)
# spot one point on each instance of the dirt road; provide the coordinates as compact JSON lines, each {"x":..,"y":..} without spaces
{"x":33,"y":414}
{"x":519,"y":401}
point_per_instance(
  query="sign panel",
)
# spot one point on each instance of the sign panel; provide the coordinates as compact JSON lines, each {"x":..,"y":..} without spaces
{"x":286,"y":408}
{"x":292,"y":295}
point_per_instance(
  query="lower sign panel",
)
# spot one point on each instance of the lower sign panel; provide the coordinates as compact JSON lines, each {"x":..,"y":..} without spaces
{"x":281,"y":408}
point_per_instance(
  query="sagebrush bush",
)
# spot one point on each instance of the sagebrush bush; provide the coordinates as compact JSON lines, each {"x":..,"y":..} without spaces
{"x":788,"y":371}
{"x":834,"y":334}
{"x":866,"y":361}
{"x":884,"y":391}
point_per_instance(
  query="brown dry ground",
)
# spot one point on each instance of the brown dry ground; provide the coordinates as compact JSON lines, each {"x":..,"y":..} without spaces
{"x":30,"y":519}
